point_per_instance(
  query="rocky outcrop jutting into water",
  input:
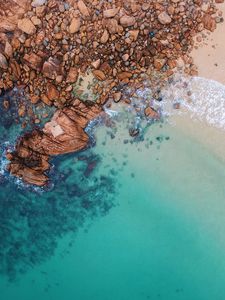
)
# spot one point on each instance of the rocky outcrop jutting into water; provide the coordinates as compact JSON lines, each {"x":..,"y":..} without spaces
{"x":63,"y":134}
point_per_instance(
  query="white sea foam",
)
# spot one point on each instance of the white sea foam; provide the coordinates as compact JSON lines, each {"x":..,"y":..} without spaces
{"x":201,"y":98}
{"x":110,"y":112}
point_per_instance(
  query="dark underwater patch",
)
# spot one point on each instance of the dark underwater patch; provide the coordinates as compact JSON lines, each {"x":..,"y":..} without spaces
{"x":31,"y":224}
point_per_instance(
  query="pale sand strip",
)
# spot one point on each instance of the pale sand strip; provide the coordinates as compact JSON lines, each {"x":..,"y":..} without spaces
{"x":210,"y":58}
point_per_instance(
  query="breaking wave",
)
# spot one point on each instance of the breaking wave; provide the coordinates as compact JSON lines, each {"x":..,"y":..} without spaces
{"x":201,"y":98}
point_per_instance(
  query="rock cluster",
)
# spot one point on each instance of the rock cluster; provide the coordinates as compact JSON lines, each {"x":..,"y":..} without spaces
{"x":10,"y":13}
{"x":126,"y":38}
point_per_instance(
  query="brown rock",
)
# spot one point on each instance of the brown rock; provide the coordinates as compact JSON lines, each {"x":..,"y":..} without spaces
{"x":125,"y":57}
{"x":209,"y":22}
{"x":110,"y":13}
{"x":33,"y":60}
{"x":37,"y":3}
{"x":52,"y":92}
{"x":176,"y":105}
{"x":72,"y":75}
{"x":6,"y":104}
{"x":11,"y":11}
{"x":117,"y":97}
{"x":159,"y":63}
{"x":124,"y":75}
{"x":22,"y":111}
{"x":34,"y":99}
{"x":26,"y":26}
{"x":16,"y":70}
{"x":164,"y":18}
{"x":104,"y":37}
{"x":3,"y":62}
{"x":28,"y":175}
{"x":151,"y":113}
{"x":75,"y":25}
{"x":96,"y":63}
{"x":8,"y":49}
{"x":40,"y":37}
{"x":134,"y":34}
{"x":113,"y":26}
{"x":59,"y":79}
{"x":127,"y":21}
{"x":51,"y":68}
{"x":83,"y":8}
{"x":36,"y":21}
{"x":46,"y":100}
{"x":99,"y":75}
{"x":41,"y":11}
{"x":106,"y":68}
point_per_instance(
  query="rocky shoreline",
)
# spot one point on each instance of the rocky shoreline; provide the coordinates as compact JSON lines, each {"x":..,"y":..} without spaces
{"x":63,"y":134}
{"x":46,"y":45}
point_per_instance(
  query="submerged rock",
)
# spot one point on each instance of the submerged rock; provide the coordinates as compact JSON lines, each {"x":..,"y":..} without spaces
{"x":63,"y":134}
{"x":134,"y":132}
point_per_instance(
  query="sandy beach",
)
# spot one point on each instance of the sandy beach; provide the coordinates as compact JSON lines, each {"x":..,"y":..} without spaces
{"x":209,"y":57}
{"x":209,"y":54}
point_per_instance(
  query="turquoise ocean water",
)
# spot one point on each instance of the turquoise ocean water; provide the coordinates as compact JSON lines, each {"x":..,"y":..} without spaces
{"x":126,"y":219}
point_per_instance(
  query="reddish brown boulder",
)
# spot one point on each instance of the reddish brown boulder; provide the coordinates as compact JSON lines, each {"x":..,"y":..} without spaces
{"x":52,"y":92}
{"x":16,"y":70}
{"x":72,"y":75}
{"x":159,"y":63}
{"x":209,"y":22}
{"x":63,"y":134}
{"x":33,"y":60}
{"x":26,"y":26}
{"x":99,"y":74}
{"x":51,"y":68}
{"x":83,"y":8}
{"x":127,"y":21}
{"x":110,"y":13}
{"x":3,"y":62}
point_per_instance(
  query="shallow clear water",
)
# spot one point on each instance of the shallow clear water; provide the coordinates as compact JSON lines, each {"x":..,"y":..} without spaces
{"x":125,"y":220}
